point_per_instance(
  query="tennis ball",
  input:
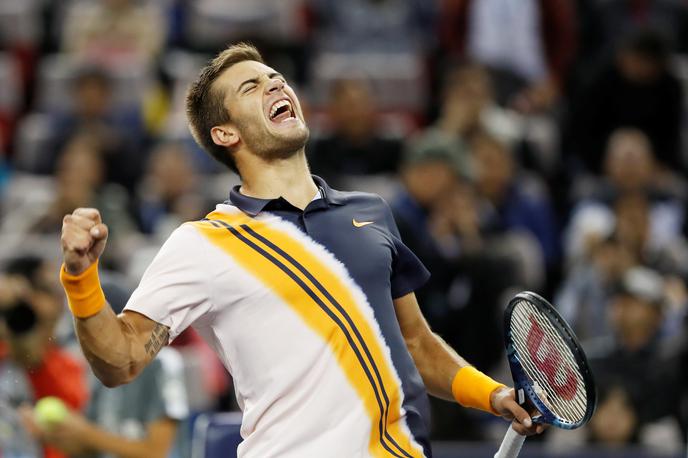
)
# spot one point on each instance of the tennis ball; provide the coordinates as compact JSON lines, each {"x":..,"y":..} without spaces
{"x":49,"y":411}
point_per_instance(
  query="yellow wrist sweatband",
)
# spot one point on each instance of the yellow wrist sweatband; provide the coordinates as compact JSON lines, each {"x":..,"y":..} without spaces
{"x":472,"y":388}
{"x":84,"y":294}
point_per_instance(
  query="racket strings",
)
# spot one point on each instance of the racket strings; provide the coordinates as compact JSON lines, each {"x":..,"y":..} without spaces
{"x":553,"y":365}
{"x":567,"y":401}
{"x":568,"y":410}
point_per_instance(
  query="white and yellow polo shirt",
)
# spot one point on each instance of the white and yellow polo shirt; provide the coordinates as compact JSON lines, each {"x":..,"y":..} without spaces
{"x":299,"y":307}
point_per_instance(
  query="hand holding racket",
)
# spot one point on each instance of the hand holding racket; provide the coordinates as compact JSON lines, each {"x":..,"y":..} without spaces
{"x":549,"y":368}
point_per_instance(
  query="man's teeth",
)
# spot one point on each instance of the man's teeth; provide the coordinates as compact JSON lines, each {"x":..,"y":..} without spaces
{"x":277,"y":106}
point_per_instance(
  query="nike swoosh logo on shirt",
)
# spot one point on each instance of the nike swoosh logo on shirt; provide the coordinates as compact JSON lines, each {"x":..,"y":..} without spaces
{"x":362,"y":223}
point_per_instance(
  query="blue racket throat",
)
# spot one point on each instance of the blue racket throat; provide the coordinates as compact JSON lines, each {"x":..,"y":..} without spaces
{"x":525,"y":391}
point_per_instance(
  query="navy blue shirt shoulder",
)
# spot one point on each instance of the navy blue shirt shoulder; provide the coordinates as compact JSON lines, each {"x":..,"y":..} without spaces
{"x":357,"y":227}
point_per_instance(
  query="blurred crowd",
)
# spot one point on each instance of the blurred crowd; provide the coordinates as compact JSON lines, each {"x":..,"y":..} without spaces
{"x":521,"y":144}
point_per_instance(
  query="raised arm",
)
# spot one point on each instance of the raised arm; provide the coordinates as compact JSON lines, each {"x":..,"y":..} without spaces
{"x":116,"y":347}
{"x":448,"y":376}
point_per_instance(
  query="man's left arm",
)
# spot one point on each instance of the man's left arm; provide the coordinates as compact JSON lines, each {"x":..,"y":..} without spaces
{"x":448,"y":376}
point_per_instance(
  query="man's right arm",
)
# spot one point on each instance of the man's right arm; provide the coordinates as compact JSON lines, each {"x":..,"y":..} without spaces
{"x":116,"y":347}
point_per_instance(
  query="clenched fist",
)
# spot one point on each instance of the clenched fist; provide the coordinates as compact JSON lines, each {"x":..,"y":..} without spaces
{"x":83,"y":239}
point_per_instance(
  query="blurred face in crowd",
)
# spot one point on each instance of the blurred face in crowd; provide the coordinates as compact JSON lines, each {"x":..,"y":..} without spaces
{"x":80,"y":171}
{"x":633,"y":223}
{"x":629,"y":162}
{"x":265,"y":115}
{"x":612,"y":259}
{"x":456,"y":211}
{"x":494,"y":167}
{"x":467,"y":92}
{"x":638,"y":68}
{"x":81,"y":162}
{"x":615,"y":419}
{"x":427,"y":181}
{"x":634,"y":320}
{"x":93,"y":97}
{"x":352,"y":109}
{"x":171,"y":172}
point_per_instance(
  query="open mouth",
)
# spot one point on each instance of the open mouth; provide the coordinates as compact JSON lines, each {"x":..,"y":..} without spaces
{"x":281,"y":111}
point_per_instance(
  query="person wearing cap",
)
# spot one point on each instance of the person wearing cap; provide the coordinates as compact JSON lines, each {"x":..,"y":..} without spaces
{"x":437,"y":217}
{"x":631,"y":364}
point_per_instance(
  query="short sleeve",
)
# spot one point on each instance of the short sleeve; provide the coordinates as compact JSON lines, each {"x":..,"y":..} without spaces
{"x":175,"y":289}
{"x":408,"y":272}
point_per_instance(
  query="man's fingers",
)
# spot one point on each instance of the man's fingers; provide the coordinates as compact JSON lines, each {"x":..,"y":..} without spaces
{"x":527,"y":431}
{"x":520,"y":429}
{"x":522,"y":424}
{"x":99,"y":232}
{"x":88,"y":213}
{"x":79,"y":242}
{"x":518,"y":412}
{"x":79,"y":221}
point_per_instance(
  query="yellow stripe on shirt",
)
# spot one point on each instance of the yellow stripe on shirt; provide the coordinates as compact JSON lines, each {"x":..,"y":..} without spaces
{"x":333,"y":290}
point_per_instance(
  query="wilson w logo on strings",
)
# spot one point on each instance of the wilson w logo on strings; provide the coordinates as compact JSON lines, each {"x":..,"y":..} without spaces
{"x":548,"y":359}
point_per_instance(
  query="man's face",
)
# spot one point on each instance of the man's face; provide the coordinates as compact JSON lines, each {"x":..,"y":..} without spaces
{"x":263,"y":109}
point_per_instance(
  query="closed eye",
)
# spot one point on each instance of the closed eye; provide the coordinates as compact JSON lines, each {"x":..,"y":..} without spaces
{"x":249,"y":89}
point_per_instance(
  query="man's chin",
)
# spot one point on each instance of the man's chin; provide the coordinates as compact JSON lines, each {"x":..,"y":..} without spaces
{"x":283,"y":145}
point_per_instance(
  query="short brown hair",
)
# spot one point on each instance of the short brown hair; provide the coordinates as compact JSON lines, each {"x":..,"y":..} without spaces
{"x":205,"y":108}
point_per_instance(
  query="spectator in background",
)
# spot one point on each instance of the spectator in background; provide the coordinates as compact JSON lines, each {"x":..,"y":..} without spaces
{"x":120,"y":130}
{"x":616,"y":420}
{"x":468,"y":106}
{"x":170,"y":190}
{"x":620,"y":362}
{"x":512,"y":200}
{"x":114,"y":32}
{"x":139,"y":419}
{"x":636,"y":89}
{"x":437,"y":216}
{"x":33,"y":366}
{"x":611,"y":245}
{"x":634,"y":231}
{"x":79,"y":182}
{"x":527,"y":44}
{"x":79,"y":174}
{"x":355,"y":145}
{"x":430,"y":172}
{"x":582,"y":296}
{"x":630,"y":167}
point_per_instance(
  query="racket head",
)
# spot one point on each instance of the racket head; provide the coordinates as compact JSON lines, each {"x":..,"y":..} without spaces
{"x":545,"y":356}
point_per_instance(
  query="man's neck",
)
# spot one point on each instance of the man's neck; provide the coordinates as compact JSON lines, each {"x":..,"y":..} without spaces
{"x":287,"y":178}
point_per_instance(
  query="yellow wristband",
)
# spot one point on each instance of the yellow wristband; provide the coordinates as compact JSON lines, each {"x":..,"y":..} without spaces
{"x":472,"y":388}
{"x":84,"y":294}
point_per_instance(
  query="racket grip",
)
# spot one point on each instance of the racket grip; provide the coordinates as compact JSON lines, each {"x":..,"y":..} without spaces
{"x":511,"y":444}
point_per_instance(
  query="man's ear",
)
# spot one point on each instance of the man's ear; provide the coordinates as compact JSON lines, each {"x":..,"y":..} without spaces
{"x":225,"y":135}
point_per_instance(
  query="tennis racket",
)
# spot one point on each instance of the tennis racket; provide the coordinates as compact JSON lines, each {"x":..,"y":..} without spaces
{"x":549,"y":368}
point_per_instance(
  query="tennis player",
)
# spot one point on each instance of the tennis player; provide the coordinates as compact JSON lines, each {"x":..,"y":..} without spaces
{"x":305,"y":292}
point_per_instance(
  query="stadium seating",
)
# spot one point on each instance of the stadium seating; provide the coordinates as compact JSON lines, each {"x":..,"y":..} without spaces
{"x":216,"y":435}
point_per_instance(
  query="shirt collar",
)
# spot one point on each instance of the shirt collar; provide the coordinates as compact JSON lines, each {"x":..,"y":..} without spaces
{"x":252,"y":206}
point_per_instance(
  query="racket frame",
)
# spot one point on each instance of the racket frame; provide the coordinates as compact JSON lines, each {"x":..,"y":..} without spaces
{"x":525,"y":387}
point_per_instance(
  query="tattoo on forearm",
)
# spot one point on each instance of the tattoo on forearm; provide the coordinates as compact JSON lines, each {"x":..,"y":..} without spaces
{"x":158,"y":339}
